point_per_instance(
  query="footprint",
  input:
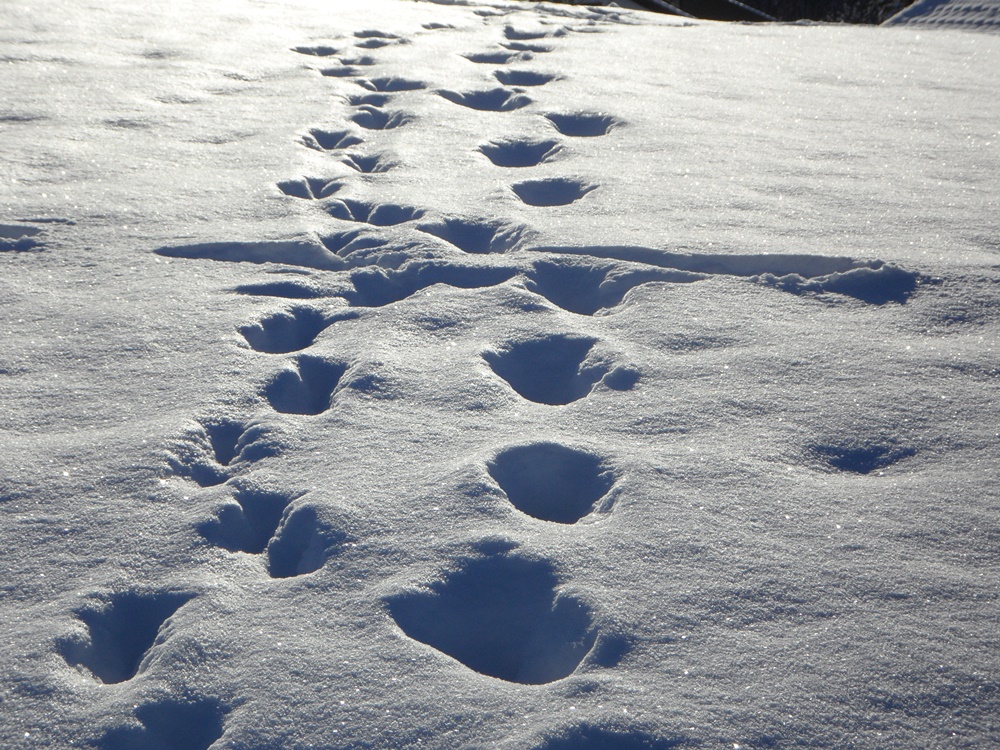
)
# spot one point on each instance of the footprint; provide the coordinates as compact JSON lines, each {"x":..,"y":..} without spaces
{"x":586,"y":737}
{"x":521,"y":35}
{"x":302,"y":544}
{"x":371,"y":100}
{"x":478,"y":235}
{"x":493,"y":58}
{"x":370,"y":163}
{"x":310,"y":188}
{"x":376,"y":214}
{"x":501,"y":615}
{"x":346,"y":243}
{"x":555,"y":191}
{"x":585,"y":289}
{"x":305,"y":386}
{"x":362,"y":60}
{"x":206,"y":453}
{"x":189,"y":724}
{"x":340,"y":71}
{"x":491,"y":100}
{"x":551,"y":482}
{"x":319,"y":50}
{"x":390,"y":84}
{"x":876,"y":283}
{"x":437,"y":26}
{"x":527,"y":47}
{"x":282,"y":289}
{"x":373,"y":118}
{"x":583,"y":124}
{"x":859,"y":457}
{"x":523,"y":77}
{"x":555,"y":370}
{"x":19,"y":238}
{"x":121,"y":633}
{"x":377,"y":287}
{"x":287,"y":331}
{"x":330,"y":140}
{"x":521,"y":152}
{"x":248,"y":522}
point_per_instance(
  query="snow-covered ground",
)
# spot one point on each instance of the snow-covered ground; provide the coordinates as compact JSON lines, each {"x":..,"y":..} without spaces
{"x":383,"y":374}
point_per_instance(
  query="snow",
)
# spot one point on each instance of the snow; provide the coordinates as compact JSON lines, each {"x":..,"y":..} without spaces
{"x":389,"y":374}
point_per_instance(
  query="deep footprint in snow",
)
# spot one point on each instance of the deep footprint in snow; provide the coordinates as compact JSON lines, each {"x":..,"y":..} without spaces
{"x":340,"y":71}
{"x":555,"y":191}
{"x":520,"y":152}
{"x":346,"y":244}
{"x":286,"y":331}
{"x":310,"y":188}
{"x":860,"y":457}
{"x":499,"y":57}
{"x":189,"y":724}
{"x":330,"y":140}
{"x":19,"y":238}
{"x":378,"y":287}
{"x":121,"y":634}
{"x":306,"y":386}
{"x":207,"y":453}
{"x":502,"y":616}
{"x":478,"y":236}
{"x":369,"y":100}
{"x":585,"y":737}
{"x":521,"y":35}
{"x":319,"y":50}
{"x":489,"y":100}
{"x":554,"y":369}
{"x":374,"y":118}
{"x":551,"y":482}
{"x":390,"y":84}
{"x":527,"y":47}
{"x":376,"y":214}
{"x":584,"y":289}
{"x":523,"y":77}
{"x":249,"y":522}
{"x":362,"y":60}
{"x":302,"y":544}
{"x":369,"y":163}
{"x":583,"y":124}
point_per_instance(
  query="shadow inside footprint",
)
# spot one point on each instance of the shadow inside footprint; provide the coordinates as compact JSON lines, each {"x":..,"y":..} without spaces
{"x":306,"y":386}
{"x":861,"y":458}
{"x":330,"y":140}
{"x":499,"y":57}
{"x":584,"y":289}
{"x":478,"y":236}
{"x":169,"y":725}
{"x":376,"y":214}
{"x":502,"y":616}
{"x":521,"y":152}
{"x":285,"y":331}
{"x":549,"y":370}
{"x":319,"y":50}
{"x":523,"y":77}
{"x":390,"y":84}
{"x":121,"y":634}
{"x":370,"y":163}
{"x":309,"y":188}
{"x":302,"y":544}
{"x":556,"y":191}
{"x":373,"y":118}
{"x":583,"y":124}
{"x":551,"y":482}
{"x":247,"y":524}
{"x":491,"y":100}
{"x":586,"y":737}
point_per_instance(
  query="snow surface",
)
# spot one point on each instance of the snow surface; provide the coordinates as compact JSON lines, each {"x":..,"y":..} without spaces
{"x":390,"y":374}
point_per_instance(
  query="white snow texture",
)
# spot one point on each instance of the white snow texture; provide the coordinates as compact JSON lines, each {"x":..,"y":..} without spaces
{"x":389,"y":374}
